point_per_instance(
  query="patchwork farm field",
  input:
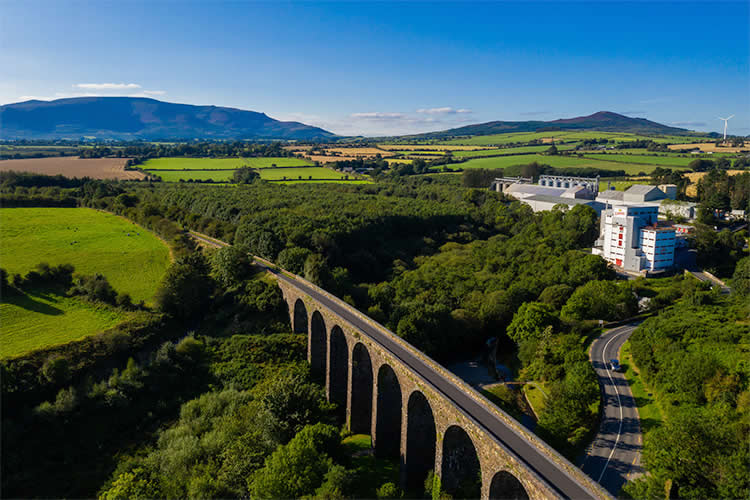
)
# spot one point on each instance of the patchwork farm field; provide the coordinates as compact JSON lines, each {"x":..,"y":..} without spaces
{"x":72,"y":166}
{"x":556,"y":161}
{"x":557,"y":136}
{"x":511,"y":151}
{"x":132,"y":258}
{"x":221,"y":163}
{"x":43,"y":318}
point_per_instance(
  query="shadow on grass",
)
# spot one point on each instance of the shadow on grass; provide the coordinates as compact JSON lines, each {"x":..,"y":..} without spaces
{"x":26,"y":301}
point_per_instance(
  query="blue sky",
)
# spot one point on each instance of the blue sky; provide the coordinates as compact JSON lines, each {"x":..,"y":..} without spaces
{"x":390,"y":68}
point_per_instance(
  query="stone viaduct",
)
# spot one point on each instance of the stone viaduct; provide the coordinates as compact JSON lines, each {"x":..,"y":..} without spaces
{"x":370,"y":373}
{"x":417,"y":411}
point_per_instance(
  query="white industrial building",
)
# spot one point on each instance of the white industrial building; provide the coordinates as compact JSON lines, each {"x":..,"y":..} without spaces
{"x":632,"y":238}
{"x":554,"y":190}
{"x":662,"y":197}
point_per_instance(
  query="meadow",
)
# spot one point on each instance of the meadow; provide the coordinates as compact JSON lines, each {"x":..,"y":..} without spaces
{"x":555,"y":161}
{"x":220,"y":163}
{"x":44,"y":317}
{"x":132,"y":258}
{"x":512,"y":151}
{"x":664,"y":161}
{"x":268,"y":174}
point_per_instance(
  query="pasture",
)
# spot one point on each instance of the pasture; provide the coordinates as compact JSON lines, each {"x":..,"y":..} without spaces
{"x":43,"y":317}
{"x":555,"y":161}
{"x":132,"y":258}
{"x":220,"y":163}
{"x":72,"y":166}
{"x":511,"y":151}
{"x":662,"y":161}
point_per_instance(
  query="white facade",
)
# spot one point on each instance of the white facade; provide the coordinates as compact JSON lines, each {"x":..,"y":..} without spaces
{"x":630,"y":238}
{"x":658,"y":247}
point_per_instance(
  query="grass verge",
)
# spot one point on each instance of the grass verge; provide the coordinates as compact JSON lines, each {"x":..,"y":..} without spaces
{"x":648,"y":409}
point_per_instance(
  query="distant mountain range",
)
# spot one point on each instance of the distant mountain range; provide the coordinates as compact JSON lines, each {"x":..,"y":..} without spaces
{"x":603,"y":121}
{"x":138,"y":118}
{"x":130,"y":118}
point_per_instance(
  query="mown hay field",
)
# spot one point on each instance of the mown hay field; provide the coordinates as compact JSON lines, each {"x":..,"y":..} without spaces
{"x":426,"y":147}
{"x":132,"y":258}
{"x":709,"y":147}
{"x":368,"y":152}
{"x":221,"y":163}
{"x":72,"y":166}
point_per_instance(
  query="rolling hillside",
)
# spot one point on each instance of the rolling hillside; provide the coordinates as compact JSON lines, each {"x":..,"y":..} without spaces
{"x":604,"y":121}
{"x":128,"y":118}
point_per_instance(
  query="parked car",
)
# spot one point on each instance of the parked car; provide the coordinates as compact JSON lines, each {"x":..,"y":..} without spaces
{"x":615,"y":365}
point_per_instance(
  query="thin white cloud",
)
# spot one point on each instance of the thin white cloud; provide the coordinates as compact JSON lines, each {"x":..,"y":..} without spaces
{"x":107,"y":86}
{"x":689,"y":124}
{"x":98,"y":90}
{"x":378,"y":115}
{"x":446,"y":110}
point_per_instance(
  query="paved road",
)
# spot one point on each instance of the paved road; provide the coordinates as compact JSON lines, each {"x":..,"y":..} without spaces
{"x":566,"y":485}
{"x":614,"y":456}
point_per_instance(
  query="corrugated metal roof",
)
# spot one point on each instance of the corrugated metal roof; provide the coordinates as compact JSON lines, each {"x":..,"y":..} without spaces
{"x":534,"y":189}
{"x":611,"y":195}
{"x":558,"y":199}
{"x":640,"y":189}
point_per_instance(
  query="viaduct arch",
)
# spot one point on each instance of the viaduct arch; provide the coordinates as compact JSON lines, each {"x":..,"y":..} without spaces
{"x":417,"y":411}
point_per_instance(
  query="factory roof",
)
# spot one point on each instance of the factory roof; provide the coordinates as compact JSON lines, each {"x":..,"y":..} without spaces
{"x":558,"y":199}
{"x":534,"y":190}
{"x":641,"y":189}
{"x":611,"y":194}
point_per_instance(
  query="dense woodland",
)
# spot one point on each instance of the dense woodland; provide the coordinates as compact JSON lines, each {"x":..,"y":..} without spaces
{"x":444,"y":266}
{"x":695,"y":355}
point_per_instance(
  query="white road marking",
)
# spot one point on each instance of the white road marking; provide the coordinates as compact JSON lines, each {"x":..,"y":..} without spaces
{"x":617,"y":392}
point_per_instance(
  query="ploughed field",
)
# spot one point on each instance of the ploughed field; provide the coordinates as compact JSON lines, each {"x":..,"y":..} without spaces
{"x":72,"y":166}
{"x":222,"y":169}
{"x":130,"y":257}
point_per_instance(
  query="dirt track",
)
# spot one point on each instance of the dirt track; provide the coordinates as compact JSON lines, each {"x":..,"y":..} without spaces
{"x":72,"y":166}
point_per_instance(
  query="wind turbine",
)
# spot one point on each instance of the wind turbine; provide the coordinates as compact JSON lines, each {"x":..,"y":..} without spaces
{"x":725,"y":126}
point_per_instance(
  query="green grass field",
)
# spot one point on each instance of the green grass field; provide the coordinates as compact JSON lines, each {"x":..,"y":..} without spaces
{"x":43,"y":318}
{"x":132,"y":258}
{"x":487,"y":140}
{"x":663,"y":161}
{"x":269,"y":174}
{"x":220,"y":163}
{"x":555,"y":161}
{"x":535,"y":396}
{"x":511,"y":151}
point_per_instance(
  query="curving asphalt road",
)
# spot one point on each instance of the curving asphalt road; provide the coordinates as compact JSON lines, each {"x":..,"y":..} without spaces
{"x":614,"y":456}
{"x":566,"y":485}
